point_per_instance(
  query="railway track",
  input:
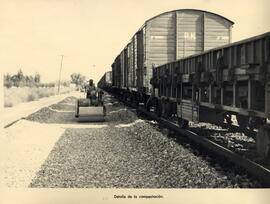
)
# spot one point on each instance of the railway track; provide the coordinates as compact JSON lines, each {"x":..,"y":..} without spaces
{"x":252,"y":168}
{"x":142,"y":153}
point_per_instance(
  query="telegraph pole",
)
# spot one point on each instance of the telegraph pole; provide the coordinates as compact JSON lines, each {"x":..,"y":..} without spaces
{"x":62,"y":56}
{"x":93,"y":66}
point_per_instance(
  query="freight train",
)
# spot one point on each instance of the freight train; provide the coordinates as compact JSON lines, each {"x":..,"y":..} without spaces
{"x":106,"y":81}
{"x":182,"y":64}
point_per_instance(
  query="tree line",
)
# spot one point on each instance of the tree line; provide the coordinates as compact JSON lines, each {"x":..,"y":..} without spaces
{"x":21,"y":80}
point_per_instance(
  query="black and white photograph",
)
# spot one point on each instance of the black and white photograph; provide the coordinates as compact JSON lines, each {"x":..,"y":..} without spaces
{"x":135,"y":101}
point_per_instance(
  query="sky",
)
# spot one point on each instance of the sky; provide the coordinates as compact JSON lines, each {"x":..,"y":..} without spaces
{"x":91,"y":33}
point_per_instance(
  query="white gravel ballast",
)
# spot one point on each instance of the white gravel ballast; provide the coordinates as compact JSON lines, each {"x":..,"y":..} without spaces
{"x":51,"y":149}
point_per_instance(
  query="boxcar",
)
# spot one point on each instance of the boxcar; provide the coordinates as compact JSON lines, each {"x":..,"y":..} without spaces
{"x":106,"y":81}
{"x":212,"y":86}
{"x":166,"y":37}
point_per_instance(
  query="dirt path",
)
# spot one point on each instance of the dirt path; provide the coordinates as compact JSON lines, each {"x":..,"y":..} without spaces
{"x":21,"y":110}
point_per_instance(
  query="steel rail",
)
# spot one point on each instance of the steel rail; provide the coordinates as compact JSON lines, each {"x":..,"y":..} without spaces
{"x":254,"y":169}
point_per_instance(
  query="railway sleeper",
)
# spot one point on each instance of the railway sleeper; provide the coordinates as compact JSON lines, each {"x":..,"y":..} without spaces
{"x":247,"y":125}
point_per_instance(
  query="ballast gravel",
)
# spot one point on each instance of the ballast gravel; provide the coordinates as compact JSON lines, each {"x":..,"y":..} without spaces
{"x":236,"y":141}
{"x":124,"y":152}
{"x":136,"y":154}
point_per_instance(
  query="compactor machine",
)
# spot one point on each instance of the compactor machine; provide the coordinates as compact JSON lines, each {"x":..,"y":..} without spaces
{"x":91,"y":108}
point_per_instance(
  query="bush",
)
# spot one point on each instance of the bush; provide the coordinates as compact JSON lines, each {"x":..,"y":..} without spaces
{"x":32,"y":96}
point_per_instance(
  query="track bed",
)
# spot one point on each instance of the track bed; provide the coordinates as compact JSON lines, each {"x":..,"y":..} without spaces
{"x":125,"y":151}
{"x":128,"y":152}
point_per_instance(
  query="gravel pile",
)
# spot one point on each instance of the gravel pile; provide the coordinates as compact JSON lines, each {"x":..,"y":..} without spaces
{"x":62,"y":107}
{"x":48,"y":115}
{"x":117,"y":112}
{"x":139,"y":156}
{"x":62,"y":112}
{"x":70,"y":99}
{"x":122,"y":115}
{"x":66,"y":105}
{"x":43,"y":115}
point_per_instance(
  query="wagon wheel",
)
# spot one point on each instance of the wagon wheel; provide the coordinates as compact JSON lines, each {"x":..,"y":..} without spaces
{"x":163,"y":109}
{"x":182,"y":123}
{"x":149,"y":104}
{"x":255,"y":122}
{"x":158,"y":108}
{"x":263,"y":142}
